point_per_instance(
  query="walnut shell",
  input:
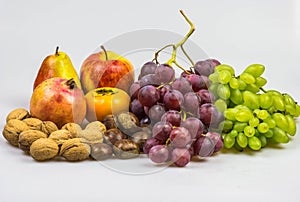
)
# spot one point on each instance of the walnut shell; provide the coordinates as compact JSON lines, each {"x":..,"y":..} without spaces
{"x":74,"y":129}
{"x":48,"y":127}
{"x":19,"y":114}
{"x":75,"y":150}
{"x":60,"y":136}
{"x":44,"y":149}
{"x":26,"y":138}
{"x":127,"y":122}
{"x":96,"y":125}
{"x":33,"y":123}
{"x":13,"y":129}
{"x":91,"y":136}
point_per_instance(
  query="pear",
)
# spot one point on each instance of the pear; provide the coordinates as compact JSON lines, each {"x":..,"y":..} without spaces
{"x":57,"y":65}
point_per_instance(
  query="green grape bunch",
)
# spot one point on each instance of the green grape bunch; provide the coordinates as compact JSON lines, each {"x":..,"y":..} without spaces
{"x":254,"y":117}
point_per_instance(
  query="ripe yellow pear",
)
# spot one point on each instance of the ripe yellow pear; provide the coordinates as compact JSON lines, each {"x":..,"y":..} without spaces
{"x":57,"y":65}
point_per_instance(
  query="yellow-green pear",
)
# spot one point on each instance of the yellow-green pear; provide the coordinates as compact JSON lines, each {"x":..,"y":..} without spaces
{"x":57,"y":65}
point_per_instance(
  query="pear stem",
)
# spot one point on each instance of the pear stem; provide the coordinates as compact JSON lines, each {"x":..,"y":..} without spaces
{"x":104,"y":50}
{"x":192,"y":29}
{"x":56,"y":50}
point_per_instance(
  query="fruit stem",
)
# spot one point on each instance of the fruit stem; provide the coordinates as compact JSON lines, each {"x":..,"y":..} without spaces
{"x":263,"y":90}
{"x":157,"y":52}
{"x":186,"y":55}
{"x":71,"y":83}
{"x":192,"y":29}
{"x":56,"y":50}
{"x":104,"y":50}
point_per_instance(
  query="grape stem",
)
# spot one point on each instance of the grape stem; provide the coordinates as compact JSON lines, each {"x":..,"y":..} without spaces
{"x":192,"y":29}
{"x":186,"y":55}
{"x":263,"y":90}
{"x":157,"y":52}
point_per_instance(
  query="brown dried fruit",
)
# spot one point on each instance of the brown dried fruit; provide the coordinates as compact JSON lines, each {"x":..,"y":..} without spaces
{"x":13,"y":129}
{"x":44,"y":149}
{"x":74,"y":129}
{"x":75,"y":150}
{"x":101,"y":151}
{"x":109,"y":122}
{"x":127,"y":122}
{"x":33,"y":123}
{"x":48,"y":127}
{"x":91,"y":136}
{"x":19,"y":114}
{"x":140,"y":138}
{"x":60,"y":136}
{"x":126,"y":149}
{"x":112,"y":135}
{"x":26,"y":138}
{"x":96,"y":125}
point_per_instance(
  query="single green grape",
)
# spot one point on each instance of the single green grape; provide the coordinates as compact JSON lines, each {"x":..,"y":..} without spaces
{"x":238,"y":147}
{"x":270,"y":121}
{"x":228,"y":141}
{"x":280,"y":135}
{"x":253,"y":122}
{"x":253,"y":88}
{"x":222,"y":67}
{"x":226,"y":125}
{"x":239,"y":126}
{"x":262,"y":114}
{"x":291,"y":109}
{"x":263,"y":140}
{"x":281,"y":121}
{"x":242,"y":140}
{"x":260,"y":82}
{"x":242,"y":84}
{"x":234,"y":83}
{"x":229,"y":114}
{"x":268,"y":134}
{"x":292,"y":125}
{"x":278,"y":102}
{"x":263,"y":127}
{"x":254,"y":143}
{"x":221,"y":105}
{"x":247,"y":78}
{"x":288,"y":99}
{"x":236,"y":96}
{"x":213,"y":88}
{"x":243,"y":115}
{"x":233,"y":133}
{"x":223,"y":91}
{"x":224,"y":76}
{"x":275,"y":92}
{"x":255,"y":70}
{"x":250,"y":100}
{"x":249,"y":131}
{"x":214,"y":77}
{"x":265,"y":100}
{"x":242,"y":107}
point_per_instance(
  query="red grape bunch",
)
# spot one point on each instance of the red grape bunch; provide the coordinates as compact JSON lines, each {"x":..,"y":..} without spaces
{"x":179,"y":111}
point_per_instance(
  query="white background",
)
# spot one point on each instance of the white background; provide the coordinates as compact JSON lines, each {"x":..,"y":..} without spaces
{"x":235,"y":32}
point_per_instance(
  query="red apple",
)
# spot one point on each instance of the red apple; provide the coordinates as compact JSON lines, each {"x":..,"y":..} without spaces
{"x":106,"y":69}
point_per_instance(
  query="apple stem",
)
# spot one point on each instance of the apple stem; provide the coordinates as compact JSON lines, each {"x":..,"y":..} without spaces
{"x":56,"y":50}
{"x":104,"y":50}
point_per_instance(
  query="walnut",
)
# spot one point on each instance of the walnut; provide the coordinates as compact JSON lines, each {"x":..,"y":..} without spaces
{"x":96,"y":125}
{"x":75,"y":150}
{"x":19,"y":114}
{"x":34,"y":123}
{"x":12,"y":130}
{"x":44,"y":149}
{"x":26,"y":138}
{"x":74,"y":129}
{"x":48,"y":127}
{"x":91,"y":136}
{"x":60,"y":136}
